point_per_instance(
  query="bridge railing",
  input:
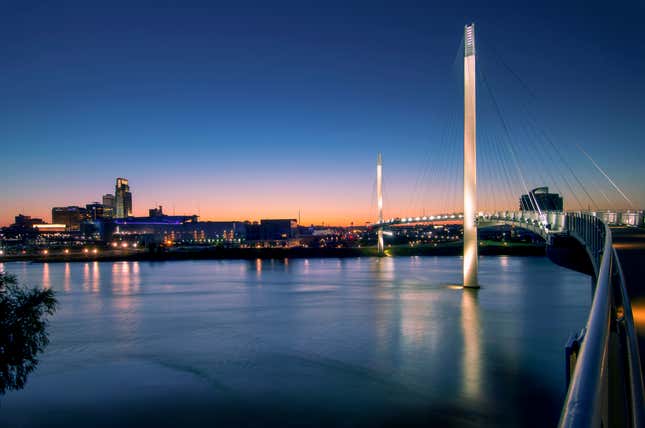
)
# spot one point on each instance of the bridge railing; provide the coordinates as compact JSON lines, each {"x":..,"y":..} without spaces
{"x":606,"y":387}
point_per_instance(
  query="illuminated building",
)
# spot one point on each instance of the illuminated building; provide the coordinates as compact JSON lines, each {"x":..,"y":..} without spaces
{"x":108,"y":205}
{"x":122,"y":199}
{"x":50,"y":228}
{"x":540,"y":199}
{"x":187,"y":229}
{"x":96,"y":211}
{"x":71,"y":216}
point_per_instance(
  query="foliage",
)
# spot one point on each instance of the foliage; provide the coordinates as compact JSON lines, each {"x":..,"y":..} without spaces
{"x":23,"y":330}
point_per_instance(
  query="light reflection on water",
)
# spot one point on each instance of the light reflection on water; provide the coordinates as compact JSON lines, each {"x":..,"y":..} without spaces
{"x":470,"y":326}
{"x":365,"y":342}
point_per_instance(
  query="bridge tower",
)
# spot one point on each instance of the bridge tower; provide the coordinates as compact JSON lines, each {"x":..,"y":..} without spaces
{"x":379,"y":201}
{"x":470,"y":161}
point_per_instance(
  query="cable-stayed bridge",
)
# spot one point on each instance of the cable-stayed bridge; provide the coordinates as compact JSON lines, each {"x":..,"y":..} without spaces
{"x":606,"y":383}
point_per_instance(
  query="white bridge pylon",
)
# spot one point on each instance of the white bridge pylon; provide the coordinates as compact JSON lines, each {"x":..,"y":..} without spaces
{"x":470,"y":262}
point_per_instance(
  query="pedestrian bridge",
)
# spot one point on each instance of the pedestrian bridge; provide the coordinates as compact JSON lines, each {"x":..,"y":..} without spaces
{"x":603,"y":361}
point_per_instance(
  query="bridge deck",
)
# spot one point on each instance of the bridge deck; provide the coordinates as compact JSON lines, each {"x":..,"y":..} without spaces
{"x":630,"y":246}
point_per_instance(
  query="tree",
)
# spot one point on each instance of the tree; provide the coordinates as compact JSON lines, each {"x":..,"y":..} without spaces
{"x":23,"y":330}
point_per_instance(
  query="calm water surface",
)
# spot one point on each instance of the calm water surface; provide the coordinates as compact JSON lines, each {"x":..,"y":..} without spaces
{"x":323,"y":342}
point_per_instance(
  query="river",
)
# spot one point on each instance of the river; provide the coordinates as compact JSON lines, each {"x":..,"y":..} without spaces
{"x":301,"y":342}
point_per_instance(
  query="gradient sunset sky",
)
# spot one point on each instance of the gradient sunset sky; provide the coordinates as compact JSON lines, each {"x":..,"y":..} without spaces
{"x":263,"y":109}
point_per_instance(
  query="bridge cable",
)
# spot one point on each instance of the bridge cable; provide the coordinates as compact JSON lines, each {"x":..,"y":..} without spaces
{"x":508,"y":135}
{"x":545,"y":135}
{"x":606,"y":176}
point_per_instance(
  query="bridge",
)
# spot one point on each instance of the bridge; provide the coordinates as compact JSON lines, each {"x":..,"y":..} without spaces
{"x":603,"y":362}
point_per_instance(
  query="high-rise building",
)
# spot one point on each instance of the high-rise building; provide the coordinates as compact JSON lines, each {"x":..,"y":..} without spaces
{"x":108,"y":205}
{"x":122,"y":199}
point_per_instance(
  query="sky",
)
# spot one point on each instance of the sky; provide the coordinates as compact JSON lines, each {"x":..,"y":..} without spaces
{"x":250,"y":110}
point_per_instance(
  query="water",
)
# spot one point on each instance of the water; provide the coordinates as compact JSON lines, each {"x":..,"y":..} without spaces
{"x":321,"y":342}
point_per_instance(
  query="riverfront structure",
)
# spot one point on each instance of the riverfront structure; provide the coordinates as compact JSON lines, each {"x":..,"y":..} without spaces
{"x":470,"y":160}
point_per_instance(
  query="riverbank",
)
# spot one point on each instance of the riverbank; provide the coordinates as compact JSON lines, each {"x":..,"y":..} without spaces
{"x":487,"y":248}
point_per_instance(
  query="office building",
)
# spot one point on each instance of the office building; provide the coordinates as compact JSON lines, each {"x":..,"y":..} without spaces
{"x":540,"y":199}
{"x":71,"y":216}
{"x":278,"y":229}
{"x":108,"y":205}
{"x":96,"y":211}
{"x":122,"y":199}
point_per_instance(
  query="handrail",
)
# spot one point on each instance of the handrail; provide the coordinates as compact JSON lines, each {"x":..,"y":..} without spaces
{"x":636,"y":387}
{"x":586,"y":403}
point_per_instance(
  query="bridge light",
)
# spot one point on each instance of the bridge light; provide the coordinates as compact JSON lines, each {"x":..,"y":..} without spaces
{"x":417,"y":219}
{"x":425,"y":218}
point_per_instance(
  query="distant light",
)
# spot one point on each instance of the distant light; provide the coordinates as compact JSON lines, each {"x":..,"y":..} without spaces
{"x":45,"y":252}
{"x":66,"y":251}
{"x":114,"y":244}
{"x":85,"y":250}
{"x":95,"y":251}
{"x":134,"y":245}
{"x":1,"y":252}
{"x":124,"y":245}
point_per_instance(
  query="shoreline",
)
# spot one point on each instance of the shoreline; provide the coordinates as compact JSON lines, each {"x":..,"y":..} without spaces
{"x":215,"y":253}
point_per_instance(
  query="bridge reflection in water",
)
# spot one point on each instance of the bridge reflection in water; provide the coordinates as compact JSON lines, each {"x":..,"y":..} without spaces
{"x":472,"y":355}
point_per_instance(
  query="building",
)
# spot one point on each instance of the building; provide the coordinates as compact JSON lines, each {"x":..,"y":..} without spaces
{"x":26,"y":221}
{"x":108,"y":205}
{"x":71,"y":217}
{"x":178,"y":229}
{"x":278,"y":229}
{"x":96,"y":211}
{"x":155,"y":212}
{"x":539,"y":199}
{"x":122,"y":199}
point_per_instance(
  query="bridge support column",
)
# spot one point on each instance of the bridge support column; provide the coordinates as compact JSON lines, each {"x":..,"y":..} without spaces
{"x":470,"y":266}
{"x":379,"y":197}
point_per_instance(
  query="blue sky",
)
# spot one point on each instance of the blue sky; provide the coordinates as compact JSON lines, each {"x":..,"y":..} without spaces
{"x":258,"y":110}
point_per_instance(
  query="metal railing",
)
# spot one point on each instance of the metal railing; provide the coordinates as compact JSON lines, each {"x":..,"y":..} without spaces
{"x":606,"y":386}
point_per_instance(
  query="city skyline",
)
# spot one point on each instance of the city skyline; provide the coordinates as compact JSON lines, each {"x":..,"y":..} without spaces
{"x":232,"y":114}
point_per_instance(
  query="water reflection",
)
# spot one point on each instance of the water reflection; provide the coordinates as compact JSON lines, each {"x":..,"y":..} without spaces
{"x":46,"y":279}
{"x":258,"y":268}
{"x":96,"y":277}
{"x":86,"y":276}
{"x":377,"y":336}
{"x":67,"y":276}
{"x":126,"y":277}
{"x":471,"y":353}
